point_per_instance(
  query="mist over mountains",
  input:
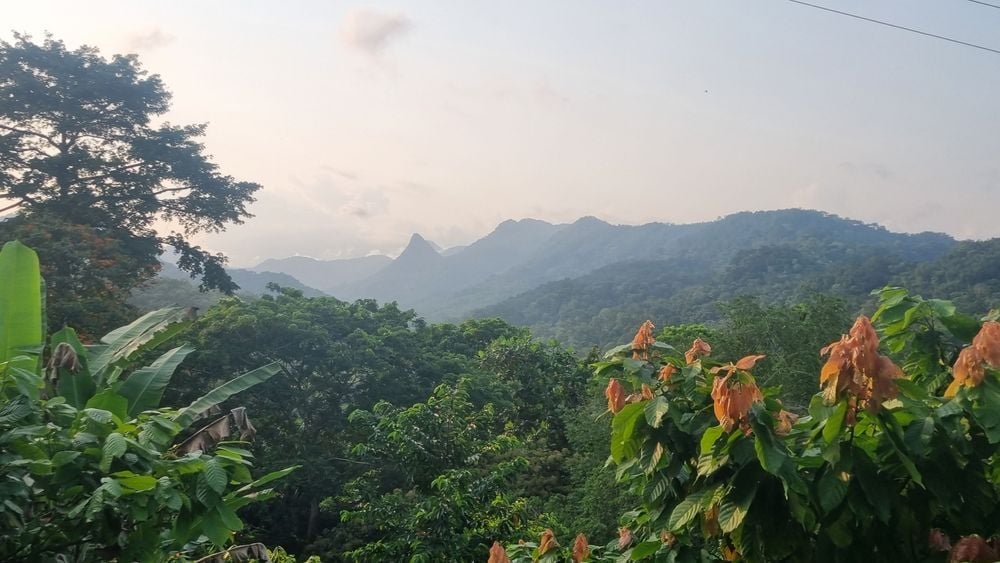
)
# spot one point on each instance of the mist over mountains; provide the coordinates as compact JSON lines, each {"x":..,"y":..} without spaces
{"x":586,"y":282}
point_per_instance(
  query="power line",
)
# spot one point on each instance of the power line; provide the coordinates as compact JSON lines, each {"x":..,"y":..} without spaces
{"x":985,"y":4}
{"x":910,"y":29}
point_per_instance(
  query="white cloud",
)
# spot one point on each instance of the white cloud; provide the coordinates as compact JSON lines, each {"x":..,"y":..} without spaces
{"x":371,"y":32}
{"x":149,"y":40}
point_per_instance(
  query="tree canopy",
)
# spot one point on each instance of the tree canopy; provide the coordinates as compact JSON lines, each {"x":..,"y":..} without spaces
{"x":82,"y":138}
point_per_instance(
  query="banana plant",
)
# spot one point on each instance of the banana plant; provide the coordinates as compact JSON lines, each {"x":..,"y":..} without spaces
{"x":94,"y":468}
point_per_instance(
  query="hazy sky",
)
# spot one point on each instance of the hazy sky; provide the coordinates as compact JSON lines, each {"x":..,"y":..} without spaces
{"x":366,"y":122}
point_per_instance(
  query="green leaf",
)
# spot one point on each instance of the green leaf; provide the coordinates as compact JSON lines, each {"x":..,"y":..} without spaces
{"x":215,"y":529}
{"x":64,"y":457}
{"x":876,"y":492}
{"x":918,"y":435}
{"x":241,"y":383}
{"x":215,"y":476}
{"x":731,"y":515}
{"x":20,"y":305}
{"x":146,"y":332}
{"x":831,"y":489}
{"x":941,"y":307}
{"x":710,"y":437}
{"x":655,"y":410}
{"x":771,"y":456}
{"x":99,"y":416}
{"x":144,"y":387}
{"x":685,"y":511}
{"x":110,"y":401}
{"x":618,"y":349}
{"x":632,"y":366}
{"x":273,"y":476}
{"x":114,"y":447}
{"x":834,"y":424}
{"x":645,"y":549}
{"x":889,"y":297}
{"x":229,"y":518}
{"x":15,"y":410}
{"x":28,"y":383}
{"x":624,"y":442}
{"x":734,"y":507}
{"x":137,"y":483}
{"x":894,"y":433}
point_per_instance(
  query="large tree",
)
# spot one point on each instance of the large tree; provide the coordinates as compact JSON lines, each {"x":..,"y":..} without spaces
{"x":82,"y":138}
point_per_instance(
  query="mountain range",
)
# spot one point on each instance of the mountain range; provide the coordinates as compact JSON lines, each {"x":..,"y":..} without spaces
{"x":557,"y":278}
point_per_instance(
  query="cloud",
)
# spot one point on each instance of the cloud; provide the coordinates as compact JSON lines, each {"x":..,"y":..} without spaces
{"x":371,"y":32}
{"x":149,"y":40}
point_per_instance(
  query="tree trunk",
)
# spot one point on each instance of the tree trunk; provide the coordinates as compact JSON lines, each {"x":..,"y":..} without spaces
{"x":313,"y":520}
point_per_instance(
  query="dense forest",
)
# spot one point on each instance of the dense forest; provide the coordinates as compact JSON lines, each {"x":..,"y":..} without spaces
{"x":795,"y":403}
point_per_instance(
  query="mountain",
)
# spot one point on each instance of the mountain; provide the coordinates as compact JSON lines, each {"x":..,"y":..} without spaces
{"x":590,"y":244}
{"x":174,"y":286}
{"x":250,"y":282}
{"x":404,"y":279}
{"x":541,"y":274}
{"x":782,"y":256}
{"x":325,"y":274}
{"x":428,"y":281}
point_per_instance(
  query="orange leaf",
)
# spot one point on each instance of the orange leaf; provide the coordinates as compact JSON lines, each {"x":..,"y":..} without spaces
{"x":547,"y":542}
{"x":666,"y":372}
{"x":581,"y":548}
{"x":624,"y":537}
{"x":747,"y":362}
{"x":498,"y":554}
{"x":699,"y":349}
{"x":616,"y":396}
{"x":987,"y":343}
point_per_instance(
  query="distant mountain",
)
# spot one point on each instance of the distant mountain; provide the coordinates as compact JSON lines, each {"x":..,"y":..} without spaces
{"x":249,"y":281}
{"x":174,"y":286}
{"x":325,"y":274}
{"x":404,"y":279}
{"x":428,"y":281}
{"x":527,"y":269}
{"x":781,"y":255}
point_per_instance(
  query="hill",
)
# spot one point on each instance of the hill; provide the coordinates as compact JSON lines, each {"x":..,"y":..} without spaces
{"x":174,"y":287}
{"x":586,"y":282}
{"x":325,"y":274}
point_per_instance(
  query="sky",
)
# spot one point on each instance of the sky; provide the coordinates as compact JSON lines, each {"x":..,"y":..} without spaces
{"x":368,"y":121}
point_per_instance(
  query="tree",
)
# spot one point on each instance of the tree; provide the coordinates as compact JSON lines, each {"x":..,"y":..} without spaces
{"x":439,"y":488}
{"x":87,"y":275}
{"x":888,"y":464}
{"x":93,"y":469}
{"x":81,"y":139}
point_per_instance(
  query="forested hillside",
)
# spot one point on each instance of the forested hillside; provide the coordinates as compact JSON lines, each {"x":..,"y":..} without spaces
{"x":597,"y":308}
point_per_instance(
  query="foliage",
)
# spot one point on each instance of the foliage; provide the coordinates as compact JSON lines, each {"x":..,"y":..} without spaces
{"x":88,"y":272}
{"x":883,"y":464}
{"x":80,"y":140}
{"x":779,"y":257}
{"x":789,"y":335}
{"x":338,"y":357}
{"x":90,"y":472}
{"x":438,"y":487}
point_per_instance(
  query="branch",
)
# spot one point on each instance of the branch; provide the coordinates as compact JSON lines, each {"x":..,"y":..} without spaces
{"x":106,"y":174}
{"x":32,"y":133}
{"x":167,"y":190}
{"x":13,"y":206}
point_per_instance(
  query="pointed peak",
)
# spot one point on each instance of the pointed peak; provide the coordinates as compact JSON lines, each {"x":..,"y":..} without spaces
{"x":419,"y":247}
